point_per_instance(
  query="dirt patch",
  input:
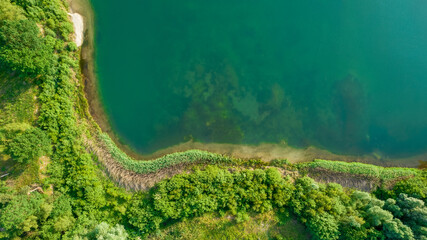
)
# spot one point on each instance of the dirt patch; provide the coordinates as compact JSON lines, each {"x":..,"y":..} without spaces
{"x":43,"y":163}
{"x":363,"y":183}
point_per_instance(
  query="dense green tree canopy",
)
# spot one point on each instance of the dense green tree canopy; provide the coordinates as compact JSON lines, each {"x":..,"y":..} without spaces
{"x":29,"y":145}
{"x":22,"y":48}
{"x":20,"y":215}
{"x":9,"y":11}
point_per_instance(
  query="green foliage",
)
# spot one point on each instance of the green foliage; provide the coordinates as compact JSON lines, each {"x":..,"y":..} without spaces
{"x":29,"y":145}
{"x":327,"y":210}
{"x":214,"y":189}
{"x":22,"y":49}
{"x":9,"y":11}
{"x":191,"y":156}
{"x":363,"y":169}
{"x":414,"y":187}
{"x":376,"y":216}
{"x":279,"y":162}
{"x":395,"y":229}
{"x":324,"y":226}
{"x":6,"y":195}
{"x":311,"y":199}
{"x":319,"y":206}
{"x":103,"y":231}
{"x":384,"y":219}
{"x":9,"y":131}
{"x":20,"y":215}
{"x":411,"y":211}
{"x":17,"y":101}
{"x":263,"y":226}
{"x":72,"y":47}
{"x":142,"y":216}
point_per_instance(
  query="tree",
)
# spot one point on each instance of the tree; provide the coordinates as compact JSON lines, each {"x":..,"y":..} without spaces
{"x":63,"y":223}
{"x":376,"y":216}
{"x":19,"y":215}
{"x":29,"y":145}
{"x":351,"y":227}
{"x":324,"y":226}
{"x":395,"y":229}
{"x":22,"y":49}
{"x":412,"y":212}
{"x":413,"y":187}
{"x":103,"y":231}
{"x":9,"y":11}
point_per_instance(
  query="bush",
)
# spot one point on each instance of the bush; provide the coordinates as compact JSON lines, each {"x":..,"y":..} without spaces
{"x":191,"y":156}
{"x":211,"y":190}
{"x":29,"y":145}
{"x":357,"y":168}
{"x":103,"y":231}
{"x":414,"y":187}
{"x":9,"y":11}
{"x":279,"y":162}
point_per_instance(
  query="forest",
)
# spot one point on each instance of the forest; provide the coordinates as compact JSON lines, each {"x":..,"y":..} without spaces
{"x":53,"y":187}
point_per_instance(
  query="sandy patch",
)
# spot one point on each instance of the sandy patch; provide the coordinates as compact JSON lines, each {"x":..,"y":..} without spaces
{"x":78,"y":28}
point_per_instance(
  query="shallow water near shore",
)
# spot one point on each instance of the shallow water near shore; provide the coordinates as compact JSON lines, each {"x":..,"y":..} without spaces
{"x":349,"y":77}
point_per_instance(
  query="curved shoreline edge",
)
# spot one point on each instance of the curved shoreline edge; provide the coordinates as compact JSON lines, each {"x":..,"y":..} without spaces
{"x":265,"y":152}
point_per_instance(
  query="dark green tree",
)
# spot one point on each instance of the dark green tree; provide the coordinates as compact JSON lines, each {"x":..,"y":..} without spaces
{"x":23,"y":49}
{"x":20,"y":215}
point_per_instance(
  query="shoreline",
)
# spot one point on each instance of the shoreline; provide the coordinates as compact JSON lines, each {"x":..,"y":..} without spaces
{"x":78,"y":25}
{"x":263,"y":151}
{"x":90,"y":81}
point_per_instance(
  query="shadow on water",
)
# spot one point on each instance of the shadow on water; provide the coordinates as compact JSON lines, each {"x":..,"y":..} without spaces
{"x":349,"y":106}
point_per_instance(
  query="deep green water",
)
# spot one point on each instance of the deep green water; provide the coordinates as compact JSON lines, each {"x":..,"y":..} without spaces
{"x":348,"y":76}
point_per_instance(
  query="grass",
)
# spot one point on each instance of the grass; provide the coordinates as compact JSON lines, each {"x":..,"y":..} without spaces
{"x":202,"y":157}
{"x":17,"y":112}
{"x":151,"y":166}
{"x":357,"y":168}
{"x":259,"y":226}
{"x":17,"y":100}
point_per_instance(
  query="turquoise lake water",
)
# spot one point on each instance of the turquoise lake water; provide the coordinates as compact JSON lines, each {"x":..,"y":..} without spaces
{"x":347,"y":76}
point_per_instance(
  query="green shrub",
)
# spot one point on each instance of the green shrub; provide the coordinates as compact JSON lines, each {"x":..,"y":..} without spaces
{"x":191,"y":156}
{"x":19,"y":215}
{"x":414,"y":187}
{"x":29,"y":145}
{"x":357,"y":168}
{"x":279,"y":162}
{"x":211,"y":190}
{"x":9,"y":11}
{"x":103,"y":231}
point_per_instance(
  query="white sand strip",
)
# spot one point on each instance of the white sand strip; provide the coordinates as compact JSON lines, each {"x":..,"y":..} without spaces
{"x":78,"y":28}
